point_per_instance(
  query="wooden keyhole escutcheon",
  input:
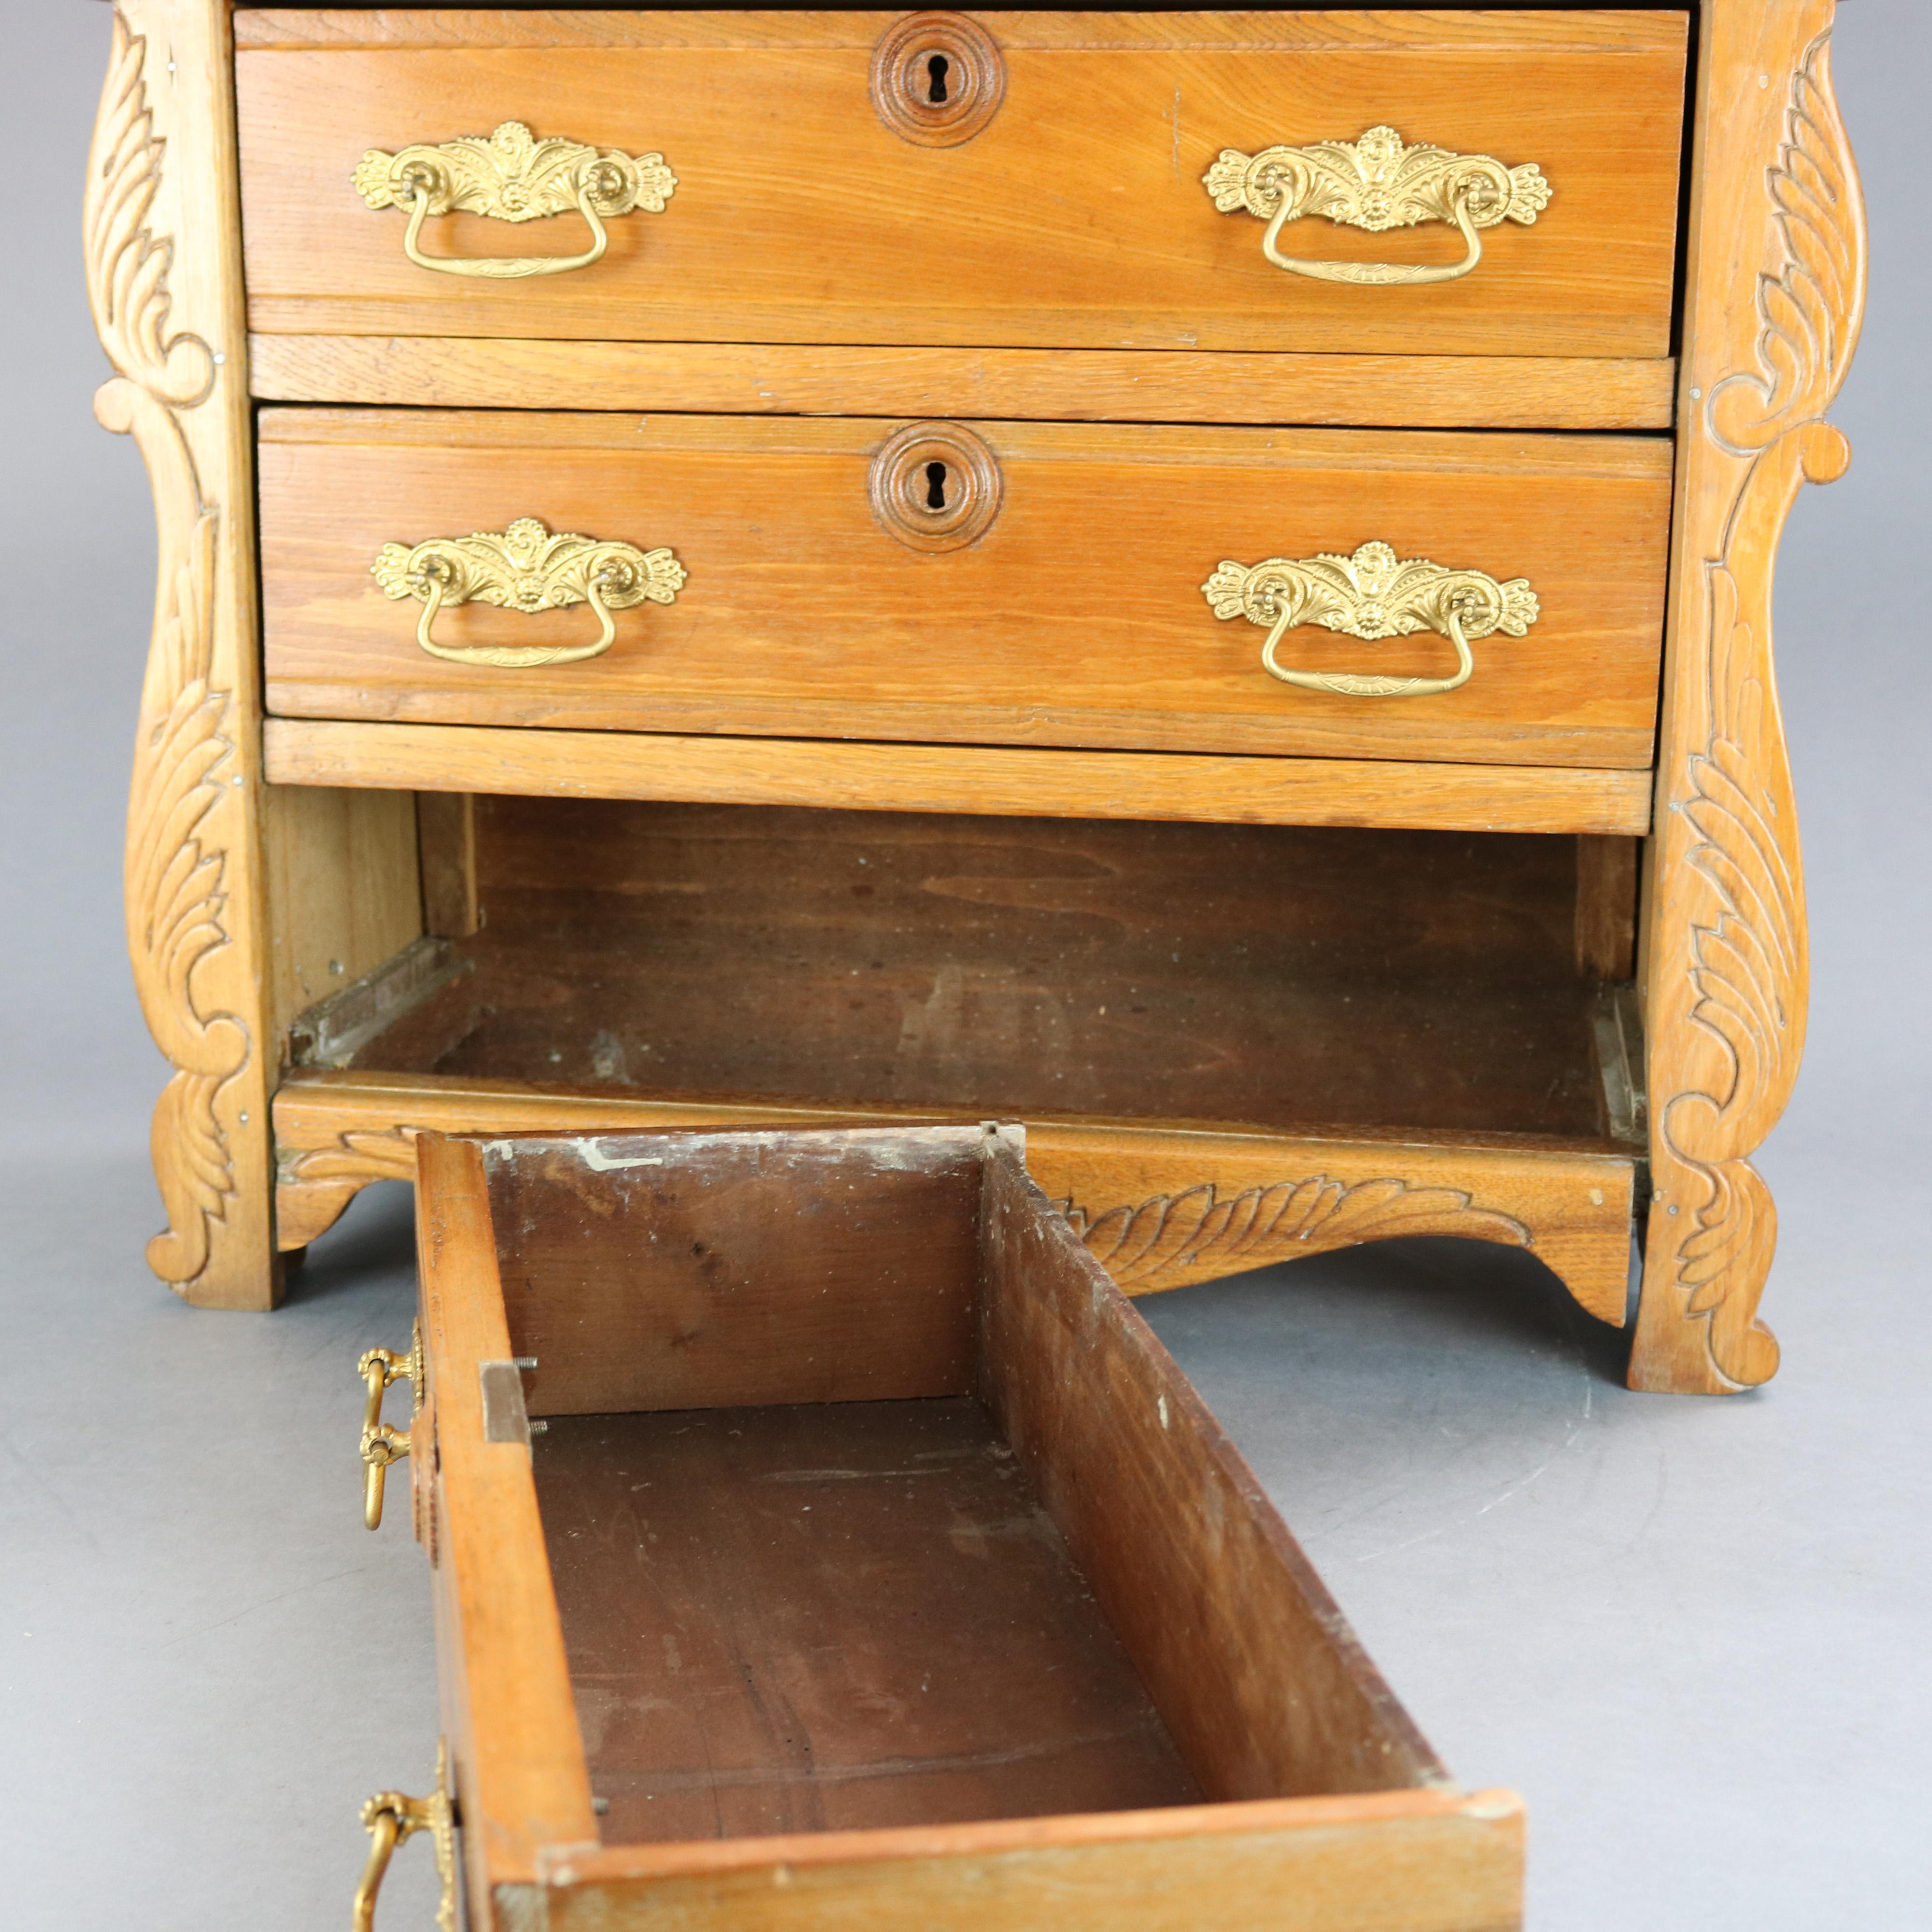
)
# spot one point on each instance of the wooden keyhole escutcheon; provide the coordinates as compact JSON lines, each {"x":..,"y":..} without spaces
{"x":937,"y":79}
{"x":936,"y":486}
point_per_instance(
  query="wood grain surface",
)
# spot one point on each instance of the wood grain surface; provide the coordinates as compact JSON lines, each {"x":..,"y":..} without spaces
{"x":778,"y":1268}
{"x":931,"y":778}
{"x":344,"y":890}
{"x":1777,"y":270}
{"x":504,"y":1681}
{"x":1049,"y":385}
{"x":1264,"y":1685}
{"x":800,"y":216}
{"x":163,"y":267}
{"x":1161,"y":1204}
{"x":446,"y":857}
{"x":508,"y":23}
{"x":1399,"y":1861}
{"x":1012,"y":967}
{"x":1076,"y":620}
{"x":835,"y":1615}
{"x":1232,"y":1638}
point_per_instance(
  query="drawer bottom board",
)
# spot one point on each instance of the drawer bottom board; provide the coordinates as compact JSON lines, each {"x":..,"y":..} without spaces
{"x":832,"y":1616}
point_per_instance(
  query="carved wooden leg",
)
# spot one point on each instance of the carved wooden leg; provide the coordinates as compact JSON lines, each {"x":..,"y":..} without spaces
{"x":164,"y":279}
{"x":1725,"y":972}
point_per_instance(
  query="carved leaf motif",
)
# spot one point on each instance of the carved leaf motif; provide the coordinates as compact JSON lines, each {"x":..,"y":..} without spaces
{"x":176,"y":880}
{"x":1373,"y":594}
{"x":1377,"y":183}
{"x":1169,"y":1233}
{"x":127,"y":266}
{"x":1731,"y":1029}
{"x":512,"y":176}
{"x":528,"y":568}
{"x":1746,"y":956}
{"x":1811,"y":311}
{"x":359,"y":1154}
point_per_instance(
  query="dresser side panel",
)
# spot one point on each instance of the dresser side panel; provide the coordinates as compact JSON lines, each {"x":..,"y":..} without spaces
{"x":162,"y":248}
{"x":1777,"y":268}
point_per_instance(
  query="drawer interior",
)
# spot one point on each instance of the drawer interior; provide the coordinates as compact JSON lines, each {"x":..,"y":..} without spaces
{"x":868,"y":1502}
{"x":1279,"y":976}
{"x":839,"y":1616}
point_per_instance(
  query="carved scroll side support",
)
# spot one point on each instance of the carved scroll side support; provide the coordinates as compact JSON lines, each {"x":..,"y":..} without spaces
{"x":1727,"y":973}
{"x":192,"y":877}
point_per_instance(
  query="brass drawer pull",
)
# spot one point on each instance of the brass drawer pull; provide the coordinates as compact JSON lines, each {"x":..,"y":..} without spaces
{"x":511,"y":175}
{"x":381,"y":1444}
{"x":392,"y":1818}
{"x":1376,"y":183}
{"x":526,"y":568}
{"x":1372,"y":595}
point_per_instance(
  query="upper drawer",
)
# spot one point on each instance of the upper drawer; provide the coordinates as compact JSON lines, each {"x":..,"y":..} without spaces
{"x":1078,"y":214}
{"x":1011,"y":584}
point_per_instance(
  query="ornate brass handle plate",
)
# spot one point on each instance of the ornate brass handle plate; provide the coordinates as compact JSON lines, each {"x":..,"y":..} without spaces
{"x":381,"y":1444}
{"x":1376,"y":183}
{"x":511,"y":175}
{"x":526,"y":568}
{"x":1373,"y":594}
{"x":391,"y":1818}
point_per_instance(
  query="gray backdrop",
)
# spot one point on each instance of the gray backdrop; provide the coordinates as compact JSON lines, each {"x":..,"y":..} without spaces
{"x":1693,"y":1632}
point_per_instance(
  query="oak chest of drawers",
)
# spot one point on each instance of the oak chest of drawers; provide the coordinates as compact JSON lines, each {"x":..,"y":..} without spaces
{"x":1200,"y":579}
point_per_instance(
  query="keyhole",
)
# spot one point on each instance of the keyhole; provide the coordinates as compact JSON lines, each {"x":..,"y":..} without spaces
{"x":937,"y":67}
{"x":935,"y":486}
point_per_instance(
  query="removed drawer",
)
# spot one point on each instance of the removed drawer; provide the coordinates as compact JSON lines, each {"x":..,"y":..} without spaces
{"x":1104,"y":180}
{"x":874,"y":1565}
{"x":1484,"y":598}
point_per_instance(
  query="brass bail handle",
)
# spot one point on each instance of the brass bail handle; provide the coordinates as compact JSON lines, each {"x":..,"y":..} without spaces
{"x":1373,"y":594}
{"x":528,"y":568}
{"x":510,"y":176}
{"x":438,"y":584}
{"x":501,"y":268}
{"x":1357,"y":684}
{"x":381,"y":1445}
{"x":1375,"y":184}
{"x":1376,"y":273}
{"x":392,"y":1818}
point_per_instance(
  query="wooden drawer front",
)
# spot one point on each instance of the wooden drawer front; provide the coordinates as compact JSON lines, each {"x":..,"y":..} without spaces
{"x":875,"y":1565}
{"x":1077,"y":217}
{"x":1077,"y":618}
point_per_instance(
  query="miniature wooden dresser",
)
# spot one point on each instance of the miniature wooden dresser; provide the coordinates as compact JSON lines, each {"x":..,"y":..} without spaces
{"x":1200,"y":580}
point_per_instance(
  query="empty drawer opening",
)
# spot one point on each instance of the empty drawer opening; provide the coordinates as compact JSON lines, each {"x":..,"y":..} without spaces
{"x":1283,"y":977}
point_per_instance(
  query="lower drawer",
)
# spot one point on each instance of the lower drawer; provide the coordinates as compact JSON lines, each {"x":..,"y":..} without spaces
{"x":1009,"y":583}
{"x":874,"y":1566}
